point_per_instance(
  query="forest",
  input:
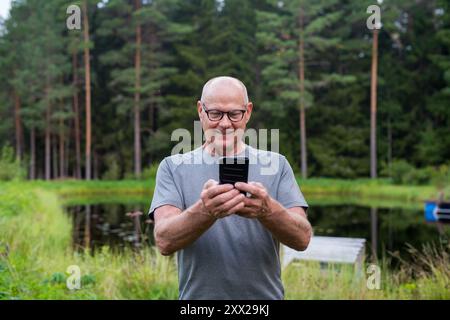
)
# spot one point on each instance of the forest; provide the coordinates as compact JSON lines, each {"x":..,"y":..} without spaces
{"x":101,"y":101}
{"x":91,"y":92}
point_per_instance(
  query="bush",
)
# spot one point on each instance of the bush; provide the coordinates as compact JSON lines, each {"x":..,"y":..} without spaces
{"x":399,"y":170}
{"x":441,"y":176}
{"x":404,"y":173}
{"x":10,"y":168}
{"x":150,"y":172}
{"x":419,"y":176}
{"x":113,"y":171}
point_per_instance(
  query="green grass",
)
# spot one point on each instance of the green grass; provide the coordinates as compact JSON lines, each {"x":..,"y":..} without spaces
{"x":367,"y":192}
{"x":430,"y":280}
{"x":379,"y":189}
{"x":69,"y":188}
{"x":35,"y":252}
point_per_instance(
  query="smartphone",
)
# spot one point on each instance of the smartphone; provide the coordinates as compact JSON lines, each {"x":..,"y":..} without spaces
{"x":233,"y":169}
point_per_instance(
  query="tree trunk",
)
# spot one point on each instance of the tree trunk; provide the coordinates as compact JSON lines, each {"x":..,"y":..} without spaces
{"x":389,"y":160}
{"x":137,"y":98}
{"x":61,"y":149}
{"x":67,"y":153}
{"x":32,"y":153}
{"x":54,"y":143}
{"x":304,"y":164}
{"x":152,"y":113}
{"x":87,"y":67}
{"x":18,"y":126}
{"x":152,"y":40}
{"x":76,"y":118}
{"x":373,"y":107}
{"x":47,"y":144}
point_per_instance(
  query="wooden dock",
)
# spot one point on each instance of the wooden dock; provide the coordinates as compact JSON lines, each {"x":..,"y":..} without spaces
{"x":328,"y":250}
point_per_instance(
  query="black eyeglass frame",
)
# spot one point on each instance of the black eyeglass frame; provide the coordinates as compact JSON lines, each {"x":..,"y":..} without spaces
{"x":223,"y":113}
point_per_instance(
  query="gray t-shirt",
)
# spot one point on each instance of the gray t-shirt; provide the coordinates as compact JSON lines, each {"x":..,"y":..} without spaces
{"x":237,"y":257}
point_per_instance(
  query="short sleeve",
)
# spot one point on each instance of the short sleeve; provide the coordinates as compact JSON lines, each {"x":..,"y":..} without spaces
{"x":289,"y":193}
{"x":166,"y":191}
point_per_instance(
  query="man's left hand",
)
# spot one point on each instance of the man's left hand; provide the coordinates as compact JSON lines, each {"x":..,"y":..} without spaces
{"x":258,"y":205}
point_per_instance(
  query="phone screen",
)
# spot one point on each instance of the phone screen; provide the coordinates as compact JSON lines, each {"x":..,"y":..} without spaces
{"x":233,"y":169}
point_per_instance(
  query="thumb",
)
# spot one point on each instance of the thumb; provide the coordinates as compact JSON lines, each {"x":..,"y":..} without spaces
{"x":210,"y":183}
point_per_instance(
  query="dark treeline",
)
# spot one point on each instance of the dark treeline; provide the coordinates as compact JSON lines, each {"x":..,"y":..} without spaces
{"x":101,"y":102}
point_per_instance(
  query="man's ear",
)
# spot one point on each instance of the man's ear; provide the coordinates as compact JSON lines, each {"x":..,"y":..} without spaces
{"x":249,"y":111}
{"x":199,"y":110}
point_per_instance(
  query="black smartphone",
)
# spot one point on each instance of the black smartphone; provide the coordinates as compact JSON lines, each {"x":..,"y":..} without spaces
{"x":233,"y":169}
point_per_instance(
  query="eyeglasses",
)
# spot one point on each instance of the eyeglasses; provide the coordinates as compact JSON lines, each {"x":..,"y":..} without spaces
{"x":217,"y":115}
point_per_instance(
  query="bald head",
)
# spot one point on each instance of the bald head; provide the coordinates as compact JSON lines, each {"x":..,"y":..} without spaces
{"x":222,"y":89}
{"x":226,"y":95}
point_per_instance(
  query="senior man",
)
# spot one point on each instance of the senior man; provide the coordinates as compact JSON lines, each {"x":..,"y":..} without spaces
{"x":227,"y":243}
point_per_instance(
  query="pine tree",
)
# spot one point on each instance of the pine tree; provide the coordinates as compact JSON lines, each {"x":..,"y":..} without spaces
{"x":40,"y":75}
{"x":193,"y":60}
{"x":138,"y":67}
{"x":233,"y":42}
{"x":292,"y":36}
{"x":11,"y":68}
{"x":151,"y":58}
{"x":74,"y":49}
{"x":435,"y":139}
{"x":87,"y":83}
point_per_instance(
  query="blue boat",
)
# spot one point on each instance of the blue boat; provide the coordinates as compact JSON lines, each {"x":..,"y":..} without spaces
{"x":437,"y":211}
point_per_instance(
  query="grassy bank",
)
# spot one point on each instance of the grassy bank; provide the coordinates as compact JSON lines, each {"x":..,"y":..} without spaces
{"x":380,"y":192}
{"x":431,"y":280}
{"x":382,"y":189}
{"x":35,"y":252}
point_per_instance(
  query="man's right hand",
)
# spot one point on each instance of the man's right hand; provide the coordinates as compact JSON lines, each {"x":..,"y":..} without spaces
{"x":220,"y":200}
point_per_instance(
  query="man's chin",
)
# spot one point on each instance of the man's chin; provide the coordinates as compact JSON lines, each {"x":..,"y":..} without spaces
{"x":226,"y":147}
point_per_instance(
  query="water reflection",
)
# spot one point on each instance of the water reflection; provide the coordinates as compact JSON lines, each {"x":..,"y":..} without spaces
{"x":374,"y":233}
{"x":385,"y":229}
{"x":87,"y":227}
{"x":114,"y":225}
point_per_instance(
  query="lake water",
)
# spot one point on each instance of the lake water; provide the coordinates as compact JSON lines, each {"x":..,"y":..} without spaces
{"x":385,"y":229}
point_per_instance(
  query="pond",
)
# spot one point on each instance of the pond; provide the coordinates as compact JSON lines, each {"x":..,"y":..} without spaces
{"x":386,"y":230}
{"x":115,"y":225}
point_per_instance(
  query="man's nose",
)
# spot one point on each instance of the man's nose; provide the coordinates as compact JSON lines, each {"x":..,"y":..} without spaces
{"x":225,"y":122}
